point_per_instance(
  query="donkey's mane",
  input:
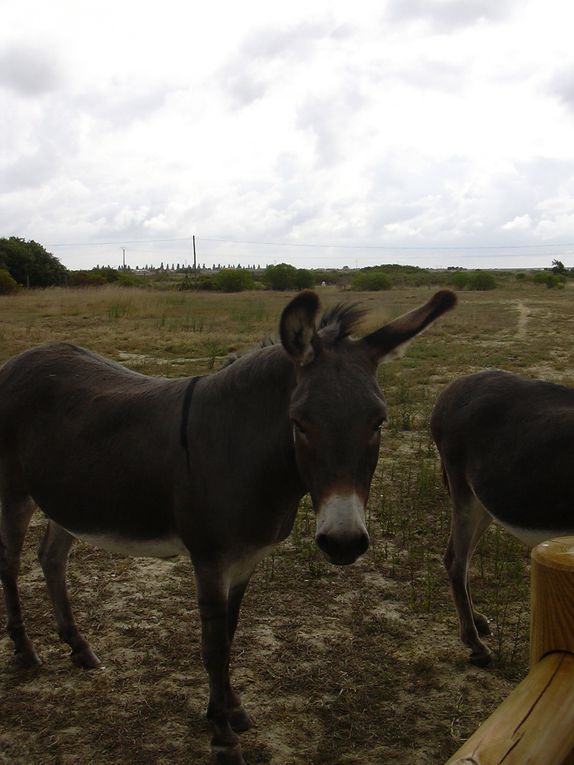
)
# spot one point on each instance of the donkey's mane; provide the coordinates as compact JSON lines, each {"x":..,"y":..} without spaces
{"x":337,"y":323}
{"x":233,"y":357}
{"x":340,"y":321}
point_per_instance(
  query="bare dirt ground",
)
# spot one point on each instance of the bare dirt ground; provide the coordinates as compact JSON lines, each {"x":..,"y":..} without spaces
{"x":336,"y":665}
{"x":333,"y":665}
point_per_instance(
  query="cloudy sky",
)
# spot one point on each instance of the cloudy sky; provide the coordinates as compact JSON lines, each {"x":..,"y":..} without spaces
{"x":431,"y":132}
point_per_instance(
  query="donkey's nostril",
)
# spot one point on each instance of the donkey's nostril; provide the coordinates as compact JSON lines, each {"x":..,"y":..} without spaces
{"x":363,"y":543}
{"x":343,"y":549}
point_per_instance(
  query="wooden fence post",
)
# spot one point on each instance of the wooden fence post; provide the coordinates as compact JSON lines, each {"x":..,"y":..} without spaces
{"x":552,"y":598}
{"x":535,"y":724}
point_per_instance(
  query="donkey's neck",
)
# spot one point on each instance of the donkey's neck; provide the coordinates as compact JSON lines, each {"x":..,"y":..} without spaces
{"x":241,"y":441}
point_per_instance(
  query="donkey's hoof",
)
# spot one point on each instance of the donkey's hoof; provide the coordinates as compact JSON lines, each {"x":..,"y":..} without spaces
{"x":480,"y":659}
{"x":481,"y":624}
{"x":239,"y":720}
{"x":227,"y":755}
{"x":85,"y":659}
{"x":27,"y":659}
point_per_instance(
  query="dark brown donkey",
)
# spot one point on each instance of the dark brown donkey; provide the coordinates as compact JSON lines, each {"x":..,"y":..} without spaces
{"x":212,"y":467}
{"x":507,"y":453}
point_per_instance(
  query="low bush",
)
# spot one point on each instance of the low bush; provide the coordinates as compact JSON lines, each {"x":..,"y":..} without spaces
{"x":368,"y":281}
{"x":233,"y":280}
{"x":8,"y":285}
{"x":552,"y":281}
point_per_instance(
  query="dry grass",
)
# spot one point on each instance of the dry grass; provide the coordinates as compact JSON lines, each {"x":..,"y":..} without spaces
{"x":358,"y":665}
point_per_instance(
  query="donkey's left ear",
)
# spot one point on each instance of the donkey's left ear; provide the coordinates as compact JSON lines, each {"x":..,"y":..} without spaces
{"x":384,"y":340}
{"x":297,"y":328}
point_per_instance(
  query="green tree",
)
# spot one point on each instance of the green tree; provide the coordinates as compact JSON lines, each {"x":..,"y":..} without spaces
{"x":29,"y":264}
{"x":303,"y":279}
{"x":281,"y":277}
{"x":558,"y":268}
{"x":286,"y":277}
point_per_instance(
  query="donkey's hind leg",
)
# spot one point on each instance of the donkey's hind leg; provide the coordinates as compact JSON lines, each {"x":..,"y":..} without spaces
{"x":53,"y":554}
{"x":483,"y":521}
{"x":469,"y":521}
{"x":15,"y":517}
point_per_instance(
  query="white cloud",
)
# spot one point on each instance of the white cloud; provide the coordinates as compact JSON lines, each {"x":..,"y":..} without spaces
{"x":449,"y":15}
{"x":362,"y":124}
{"x":29,"y":70}
{"x":519,"y":223}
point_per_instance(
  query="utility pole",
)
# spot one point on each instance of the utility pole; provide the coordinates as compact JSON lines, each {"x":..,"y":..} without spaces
{"x":194,"y":261}
{"x":124,"y":258}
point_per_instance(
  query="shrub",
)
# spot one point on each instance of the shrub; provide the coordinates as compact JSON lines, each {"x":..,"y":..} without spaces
{"x":459,"y":280}
{"x":473,"y":280}
{"x":233,"y":280}
{"x":552,"y":281}
{"x":368,"y":281}
{"x":8,"y":285}
{"x":481,"y":280}
{"x":85,"y":279}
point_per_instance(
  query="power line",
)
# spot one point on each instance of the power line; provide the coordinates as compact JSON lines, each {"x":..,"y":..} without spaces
{"x":322,"y":245}
{"x":119,"y":242}
{"x":388,"y":246}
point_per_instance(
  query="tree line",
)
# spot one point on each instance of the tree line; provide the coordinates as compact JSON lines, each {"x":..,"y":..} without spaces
{"x":28,"y":264}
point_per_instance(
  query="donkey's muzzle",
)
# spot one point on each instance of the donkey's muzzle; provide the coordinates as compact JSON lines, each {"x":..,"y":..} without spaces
{"x":341,"y":532}
{"x":340,"y":550}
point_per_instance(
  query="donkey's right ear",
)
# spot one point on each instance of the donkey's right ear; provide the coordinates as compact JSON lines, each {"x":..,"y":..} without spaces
{"x":297,"y":328}
{"x":401,"y":330}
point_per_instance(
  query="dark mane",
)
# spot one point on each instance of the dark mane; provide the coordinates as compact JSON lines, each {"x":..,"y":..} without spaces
{"x":233,"y":357}
{"x":340,"y":321}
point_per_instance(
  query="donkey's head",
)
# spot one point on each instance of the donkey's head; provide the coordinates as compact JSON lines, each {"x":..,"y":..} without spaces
{"x":337,"y":410}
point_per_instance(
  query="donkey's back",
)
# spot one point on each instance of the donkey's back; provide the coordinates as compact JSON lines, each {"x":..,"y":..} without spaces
{"x":88,"y":440}
{"x":510,"y":440}
{"x":506,"y":446}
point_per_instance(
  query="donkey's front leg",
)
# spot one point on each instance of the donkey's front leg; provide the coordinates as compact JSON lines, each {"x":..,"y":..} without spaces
{"x":213,"y":601}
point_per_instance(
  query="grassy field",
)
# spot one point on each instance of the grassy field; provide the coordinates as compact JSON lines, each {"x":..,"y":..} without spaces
{"x":358,"y":665}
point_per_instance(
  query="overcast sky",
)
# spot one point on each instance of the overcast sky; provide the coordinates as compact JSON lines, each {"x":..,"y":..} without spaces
{"x":430,"y":132}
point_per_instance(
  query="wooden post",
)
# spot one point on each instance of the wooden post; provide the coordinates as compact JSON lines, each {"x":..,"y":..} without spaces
{"x":535,"y":724}
{"x":552,"y":598}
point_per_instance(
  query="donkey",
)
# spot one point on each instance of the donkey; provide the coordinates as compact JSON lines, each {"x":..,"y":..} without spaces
{"x":213,"y":467}
{"x":505,"y":444}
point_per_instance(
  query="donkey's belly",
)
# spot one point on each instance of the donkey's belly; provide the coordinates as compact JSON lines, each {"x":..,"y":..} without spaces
{"x":533,"y":537}
{"x":162,"y":547}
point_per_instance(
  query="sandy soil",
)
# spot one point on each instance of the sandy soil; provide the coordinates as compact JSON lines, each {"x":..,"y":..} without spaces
{"x":333,"y":664}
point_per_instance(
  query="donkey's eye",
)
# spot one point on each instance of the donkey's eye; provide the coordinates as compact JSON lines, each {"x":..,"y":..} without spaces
{"x":298,"y":429}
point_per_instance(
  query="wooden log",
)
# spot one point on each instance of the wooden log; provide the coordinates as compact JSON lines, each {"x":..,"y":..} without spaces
{"x":532,"y":726}
{"x":552,"y":598}
{"x":535,"y":724}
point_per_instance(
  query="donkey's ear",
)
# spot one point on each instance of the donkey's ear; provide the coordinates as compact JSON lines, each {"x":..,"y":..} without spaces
{"x":383,"y":341}
{"x":297,"y":328}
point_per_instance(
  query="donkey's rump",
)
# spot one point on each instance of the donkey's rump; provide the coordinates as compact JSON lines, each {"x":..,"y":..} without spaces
{"x":90,"y":441}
